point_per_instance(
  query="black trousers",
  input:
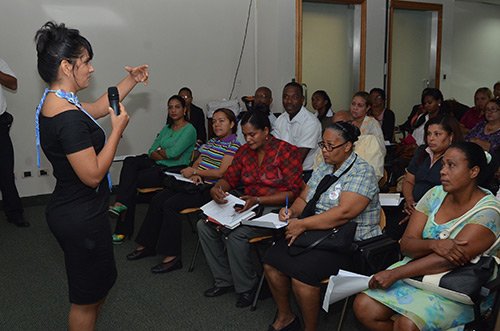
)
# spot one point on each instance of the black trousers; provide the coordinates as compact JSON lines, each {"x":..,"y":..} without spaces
{"x":11,"y":201}
{"x":137,"y":171}
{"x":161,"y":230}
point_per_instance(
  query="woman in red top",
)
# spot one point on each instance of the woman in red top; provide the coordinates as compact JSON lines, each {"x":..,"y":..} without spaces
{"x":474,"y":115}
{"x":269,"y":170}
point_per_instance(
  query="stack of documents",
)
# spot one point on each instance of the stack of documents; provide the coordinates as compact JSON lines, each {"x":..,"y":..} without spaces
{"x":225,"y":214}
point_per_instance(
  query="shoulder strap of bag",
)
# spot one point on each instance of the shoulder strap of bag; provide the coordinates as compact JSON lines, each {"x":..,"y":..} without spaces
{"x":323,"y":185}
{"x":446,"y":233}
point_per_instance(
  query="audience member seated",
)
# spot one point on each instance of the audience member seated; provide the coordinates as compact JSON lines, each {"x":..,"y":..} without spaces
{"x":269,"y":170}
{"x":454,"y":108}
{"x":423,"y":172}
{"x":171,"y":150}
{"x":360,"y":106}
{"x":298,"y":126}
{"x":487,"y":132}
{"x":392,"y":304}
{"x":431,"y":107}
{"x":195,"y":116}
{"x":383,"y":115}
{"x":352,"y":198}
{"x":367,"y":147}
{"x":262,"y":100}
{"x":476,"y":114}
{"x":322,"y":104}
{"x":161,"y":231}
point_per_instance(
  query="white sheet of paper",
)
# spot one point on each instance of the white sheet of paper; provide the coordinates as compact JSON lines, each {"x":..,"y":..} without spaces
{"x":120,"y":158}
{"x":179,"y":177}
{"x":225,"y":213}
{"x":343,"y":285}
{"x":390,"y":199}
{"x":270,"y":220}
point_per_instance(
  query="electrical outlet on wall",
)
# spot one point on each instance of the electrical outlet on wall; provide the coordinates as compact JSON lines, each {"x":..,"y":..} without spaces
{"x":26,"y":174}
{"x":43,"y":172}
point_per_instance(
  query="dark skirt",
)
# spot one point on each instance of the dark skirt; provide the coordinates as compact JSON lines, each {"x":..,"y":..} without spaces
{"x":311,"y":267}
{"x":88,"y":255}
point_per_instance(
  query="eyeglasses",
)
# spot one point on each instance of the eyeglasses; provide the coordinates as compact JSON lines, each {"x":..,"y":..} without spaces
{"x":491,"y":110}
{"x":329,"y":147}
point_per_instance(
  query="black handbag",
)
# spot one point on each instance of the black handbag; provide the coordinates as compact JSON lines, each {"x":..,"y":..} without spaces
{"x":374,"y":254}
{"x":336,"y":239}
{"x":462,"y":284}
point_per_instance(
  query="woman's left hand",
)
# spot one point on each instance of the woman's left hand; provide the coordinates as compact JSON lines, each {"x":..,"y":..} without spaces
{"x":187,"y":172}
{"x":382,"y":279}
{"x":250,"y":201}
{"x":140,"y":73}
{"x":294,"y":229}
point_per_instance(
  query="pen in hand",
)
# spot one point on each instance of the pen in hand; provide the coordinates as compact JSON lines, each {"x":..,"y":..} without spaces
{"x":286,"y":205}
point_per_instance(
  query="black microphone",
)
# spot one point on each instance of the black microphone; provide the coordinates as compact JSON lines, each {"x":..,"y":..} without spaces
{"x":114,"y":99}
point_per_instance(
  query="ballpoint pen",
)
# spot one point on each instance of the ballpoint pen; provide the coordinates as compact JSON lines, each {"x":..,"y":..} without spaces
{"x":286,"y":205}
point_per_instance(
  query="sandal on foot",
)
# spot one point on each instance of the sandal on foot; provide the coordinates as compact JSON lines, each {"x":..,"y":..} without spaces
{"x":118,"y":238}
{"x":115,"y":211}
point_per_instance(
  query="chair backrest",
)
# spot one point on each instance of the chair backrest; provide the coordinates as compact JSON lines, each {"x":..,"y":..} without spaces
{"x":383,"y":220}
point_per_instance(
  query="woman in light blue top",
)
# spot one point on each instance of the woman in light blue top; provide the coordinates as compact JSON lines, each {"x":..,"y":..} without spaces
{"x":390,"y":303}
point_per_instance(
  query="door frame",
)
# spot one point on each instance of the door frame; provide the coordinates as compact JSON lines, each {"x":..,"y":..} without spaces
{"x":299,"y":35}
{"x":421,"y":6}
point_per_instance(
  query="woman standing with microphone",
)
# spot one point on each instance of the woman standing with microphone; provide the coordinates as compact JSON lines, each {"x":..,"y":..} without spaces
{"x":80,"y":155}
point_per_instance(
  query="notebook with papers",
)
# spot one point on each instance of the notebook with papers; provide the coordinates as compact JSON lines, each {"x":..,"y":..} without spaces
{"x":225,"y":214}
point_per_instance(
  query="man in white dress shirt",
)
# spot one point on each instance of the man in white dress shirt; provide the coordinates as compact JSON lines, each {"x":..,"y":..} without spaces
{"x":263,"y":98}
{"x":298,"y":126}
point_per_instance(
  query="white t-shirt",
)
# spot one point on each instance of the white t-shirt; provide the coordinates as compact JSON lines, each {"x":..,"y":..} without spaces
{"x":6,"y":70}
{"x":419,"y":133}
{"x":303,"y":131}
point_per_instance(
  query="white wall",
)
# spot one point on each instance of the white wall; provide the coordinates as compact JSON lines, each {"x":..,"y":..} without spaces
{"x":476,"y":49}
{"x":194,"y":43}
{"x":185,"y":42}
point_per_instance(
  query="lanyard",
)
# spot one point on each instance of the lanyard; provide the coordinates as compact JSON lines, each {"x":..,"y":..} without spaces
{"x":73,"y":99}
